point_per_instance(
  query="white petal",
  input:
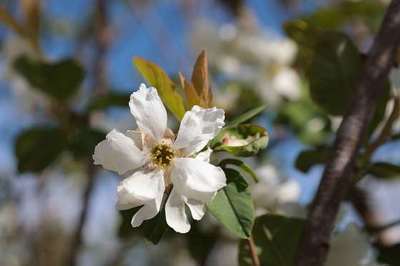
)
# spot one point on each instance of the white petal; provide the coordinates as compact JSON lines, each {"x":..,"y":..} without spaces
{"x":197,"y":208}
{"x":175,"y":213}
{"x":149,"y":111}
{"x":197,"y":179}
{"x":118,"y":153}
{"x":140,"y":188}
{"x":137,"y":137}
{"x":198,"y":127}
{"x":204,"y":155}
{"x":148,"y":211}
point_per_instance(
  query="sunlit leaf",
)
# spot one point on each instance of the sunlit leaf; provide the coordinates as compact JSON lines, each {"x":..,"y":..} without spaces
{"x":233,"y":205}
{"x":156,"y":77}
{"x":276,"y":238}
{"x":191,"y":94}
{"x":38,"y":147}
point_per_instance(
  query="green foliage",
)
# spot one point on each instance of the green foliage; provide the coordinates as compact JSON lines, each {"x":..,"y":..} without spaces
{"x":153,"y":229}
{"x":200,"y":242}
{"x":384,"y":170}
{"x":38,"y":147}
{"x":241,"y":165}
{"x":276,"y":238}
{"x":233,"y":206}
{"x":157,"y":78}
{"x":59,"y":80}
{"x":309,"y":158}
{"x":337,"y":16}
{"x":242,"y":140}
{"x":83,"y":140}
{"x":112,"y":99}
{"x":333,"y":72}
{"x":247,"y":116}
{"x":389,"y":256}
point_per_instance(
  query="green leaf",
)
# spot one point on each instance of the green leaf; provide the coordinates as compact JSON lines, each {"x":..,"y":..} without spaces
{"x":333,"y":72}
{"x":242,"y":165}
{"x":59,"y":80}
{"x":157,"y":78}
{"x":153,"y":229}
{"x":233,"y":206}
{"x":276,"y":238}
{"x":200,"y":242}
{"x":83,"y":141}
{"x":247,"y":116}
{"x":242,"y":140}
{"x":309,"y":158}
{"x":112,"y":99}
{"x":38,"y":147}
{"x":384,"y":170}
{"x":337,"y":16}
{"x":389,"y":256}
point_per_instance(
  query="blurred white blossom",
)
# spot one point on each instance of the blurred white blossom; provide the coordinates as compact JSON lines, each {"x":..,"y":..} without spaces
{"x":251,"y":56}
{"x":350,"y":248}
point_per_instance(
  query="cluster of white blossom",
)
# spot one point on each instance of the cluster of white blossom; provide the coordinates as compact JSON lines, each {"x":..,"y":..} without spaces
{"x":248,"y":55}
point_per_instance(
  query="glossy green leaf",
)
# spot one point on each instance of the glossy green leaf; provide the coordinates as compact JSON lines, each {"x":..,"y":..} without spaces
{"x":309,"y":158}
{"x":59,"y":80}
{"x":112,"y":99}
{"x":242,"y":140}
{"x":157,"y":78}
{"x":384,"y":170}
{"x":233,"y":205}
{"x":276,"y":238}
{"x":38,"y":147}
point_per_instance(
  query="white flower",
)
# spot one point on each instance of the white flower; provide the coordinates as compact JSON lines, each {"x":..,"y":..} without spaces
{"x":350,"y":248}
{"x":153,"y":161}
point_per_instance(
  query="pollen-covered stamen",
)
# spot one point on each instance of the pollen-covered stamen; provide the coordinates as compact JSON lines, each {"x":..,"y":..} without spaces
{"x":162,"y":154}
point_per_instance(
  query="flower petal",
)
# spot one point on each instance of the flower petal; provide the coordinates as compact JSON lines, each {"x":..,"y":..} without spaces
{"x":137,"y":137}
{"x":204,"y":155}
{"x":149,"y":111}
{"x":118,"y":153}
{"x":139,"y":188}
{"x":197,"y":208}
{"x":196,"y":179}
{"x":198,"y":127}
{"x":148,"y":211}
{"x":175,"y":213}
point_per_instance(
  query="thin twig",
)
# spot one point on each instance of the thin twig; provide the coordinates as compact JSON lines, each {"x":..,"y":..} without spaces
{"x":99,"y":87}
{"x":337,"y":179}
{"x":253,"y":251}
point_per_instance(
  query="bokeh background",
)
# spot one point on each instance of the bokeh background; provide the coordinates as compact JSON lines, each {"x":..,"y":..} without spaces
{"x":68,"y":209}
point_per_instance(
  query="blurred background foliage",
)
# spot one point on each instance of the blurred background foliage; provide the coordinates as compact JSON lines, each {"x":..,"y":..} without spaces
{"x":67,"y":74}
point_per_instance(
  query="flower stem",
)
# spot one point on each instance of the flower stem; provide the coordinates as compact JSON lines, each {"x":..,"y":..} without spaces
{"x":253,"y":251}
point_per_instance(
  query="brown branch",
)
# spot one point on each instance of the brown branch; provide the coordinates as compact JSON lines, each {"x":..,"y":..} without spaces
{"x":337,"y":179}
{"x":253,"y":252}
{"x":99,"y":87}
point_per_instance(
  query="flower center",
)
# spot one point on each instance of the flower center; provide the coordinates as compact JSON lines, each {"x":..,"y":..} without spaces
{"x":162,"y":154}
